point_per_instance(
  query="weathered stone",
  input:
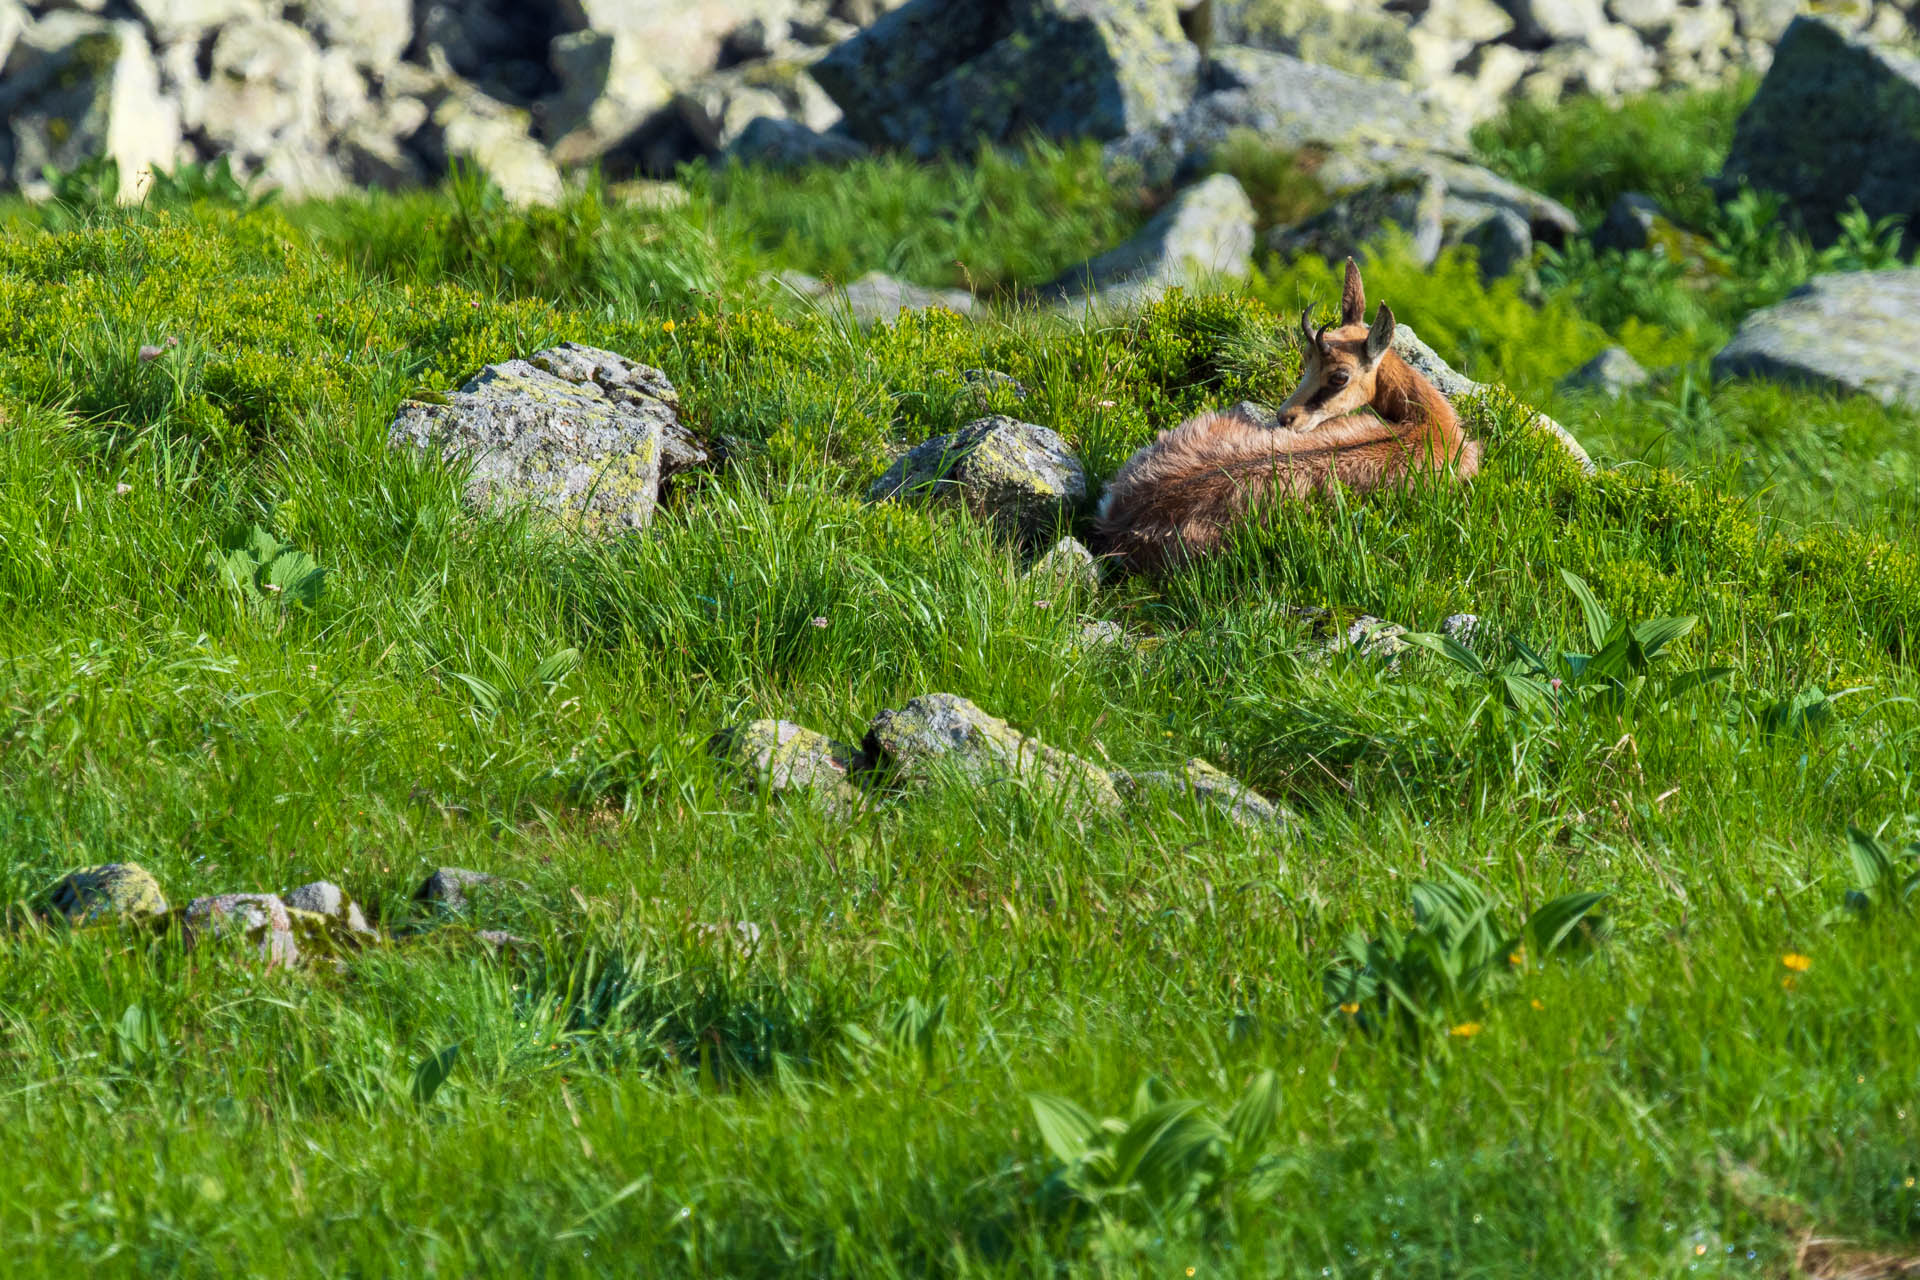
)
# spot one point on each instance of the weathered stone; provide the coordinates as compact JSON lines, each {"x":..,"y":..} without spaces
{"x":473,"y":128}
{"x":258,"y":921}
{"x":1544,"y":21}
{"x":1204,"y":233}
{"x":1457,"y":386}
{"x":1629,"y":223}
{"x":1068,"y":565}
{"x":1856,"y":333}
{"x":784,"y":757}
{"x":375,"y":32}
{"x":1209,"y":786}
{"x":1413,"y":204}
{"x":939,"y":75}
{"x":329,"y":902}
{"x":583,"y":434}
{"x":1291,"y":104}
{"x":1647,"y":15}
{"x":718,"y":108}
{"x":173,"y":20}
{"x":1471,"y":189}
{"x":1836,"y":119}
{"x":1762,"y":19}
{"x":775,"y":143}
{"x":264,"y":94}
{"x":112,"y":891}
{"x":1021,"y":477}
{"x":1503,"y":242}
{"x":1351,"y":38}
{"x":1612,"y":372}
{"x":74,"y":87}
{"x":942,"y":735}
{"x":454,"y":889}
{"x":13,"y":20}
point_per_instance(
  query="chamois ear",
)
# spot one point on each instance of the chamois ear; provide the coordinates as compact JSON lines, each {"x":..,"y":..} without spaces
{"x":1380,"y":337}
{"x":1353,"y":296}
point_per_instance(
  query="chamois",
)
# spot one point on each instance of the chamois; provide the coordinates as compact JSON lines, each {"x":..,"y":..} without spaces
{"x":1175,"y":498}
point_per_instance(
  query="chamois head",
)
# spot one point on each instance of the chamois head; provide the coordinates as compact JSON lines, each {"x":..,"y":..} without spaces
{"x":1342,"y":361}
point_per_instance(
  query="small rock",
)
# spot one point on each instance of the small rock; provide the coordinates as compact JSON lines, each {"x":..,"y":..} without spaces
{"x":1210,"y":786}
{"x":582,"y":434}
{"x":259,"y":920}
{"x":1204,"y":233}
{"x":785,"y":757}
{"x":452,"y":889}
{"x":1068,"y":565}
{"x":1503,"y":242}
{"x":1101,"y":633}
{"x":1462,"y":628}
{"x":1370,"y":637}
{"x":1630,"y":223}
{"x":1413,"y":203}
{"x":1614,"y":371}
{"x":876,"y":298}
{"x":945,"y":735}
{"x":114,"y":890}
{"x":774,"y":143}
{"x":1853,"y":333}
{"x":1020,"y":476}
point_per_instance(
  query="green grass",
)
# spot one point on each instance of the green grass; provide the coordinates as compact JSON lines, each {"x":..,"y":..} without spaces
{"x":851,"y":1098}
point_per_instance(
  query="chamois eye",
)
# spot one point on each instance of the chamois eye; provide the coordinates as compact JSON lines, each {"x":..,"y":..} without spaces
{"x":1339,"y":377}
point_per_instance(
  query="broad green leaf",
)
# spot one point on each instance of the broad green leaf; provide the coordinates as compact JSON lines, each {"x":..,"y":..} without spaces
{"x":433,"y":1072}
{"x":1252,"y":1117}
{"x":1699,"y":678}
{"x":1450,"y":649}
{"x":1065,"y":1128}
{"x":1527,"y":695}
{"x":557,"y":666}
{"x":1552,"y":925}
{"x":1599,"y":621}
{"x":485,"y":695}
{"x":1656,"y":635}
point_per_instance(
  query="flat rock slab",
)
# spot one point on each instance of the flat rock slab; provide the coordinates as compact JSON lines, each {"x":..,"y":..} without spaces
{"x":1836,"y":118}
{"x":944,"y":735}
{"x":1208,"y":785}
{"x":579,"y":433}
{"x":1205,"y":232}
{"x":1021,"y":477}
{"x":1857,"y":333}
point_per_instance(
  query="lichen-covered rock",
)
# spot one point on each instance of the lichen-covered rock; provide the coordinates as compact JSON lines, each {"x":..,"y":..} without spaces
{"x":259,"y":921}
{"x":1204,"y":233}
{"x":578,"y":432}
{"x":1291,"y":104}
{"x":1612,"y":372}
{"x":1068,"y":565}
{"x":1856,"y":333}
{"x":74,"y":87}
{"x":940,"y":75}
{"x":113,"y":891}
{"x":1471,"y":190}
{"x":1210,"y":786}
{"x":329,"y":903}
{"x":1413,"y":204}
{"x":453,"y":889}
{"x":473,"y":128}
{"x":784,"y":757}
{"x":1457,"y":386}
{"x":1355,"y":38}
{"x":942,"y":735}
{"x":1837,"y":118}
{"x":1020,"y":476}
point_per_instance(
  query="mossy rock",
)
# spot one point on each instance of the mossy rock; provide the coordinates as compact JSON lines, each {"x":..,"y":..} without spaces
{"x":943,"y":736}
{"x":124,"y":891}
{"x":1020,"y":477}
{"x":1207,"y":785}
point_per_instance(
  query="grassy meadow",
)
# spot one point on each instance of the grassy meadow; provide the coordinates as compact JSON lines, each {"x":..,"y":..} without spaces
{"x":979,"y":1034}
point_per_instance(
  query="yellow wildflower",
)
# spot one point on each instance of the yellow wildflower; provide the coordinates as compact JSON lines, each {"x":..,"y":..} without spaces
{"x":1350,"y":1008}
{"x":1538,"y":1005}
{"x":1465,"y":1030}
{"x":1797,"y":962}
{"x":668,"y":327}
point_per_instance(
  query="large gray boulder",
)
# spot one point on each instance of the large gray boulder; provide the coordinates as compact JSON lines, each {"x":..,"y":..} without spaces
{"x":1356,"y":38}
{"x":263,"y":106}
{"x":1414,"y":204}
{"x":943,"y":75}
{"x":124,"y":891}
{"x":774,"y":142}
{"x":470,"y":126}
{"x":942,"y":735}
{"x":1021,"y":477}
{"x":1290,"y":104}
{"x":582,"y":434}
{"x":1613,"y":372}
{"x":1204,"y":233}
{"x":1836,"y":119}
{"x":1855,"y":333}
{"x":73,"y":87}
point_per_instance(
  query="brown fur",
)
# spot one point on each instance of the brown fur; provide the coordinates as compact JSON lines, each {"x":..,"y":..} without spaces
{"x":1372,"y":429}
